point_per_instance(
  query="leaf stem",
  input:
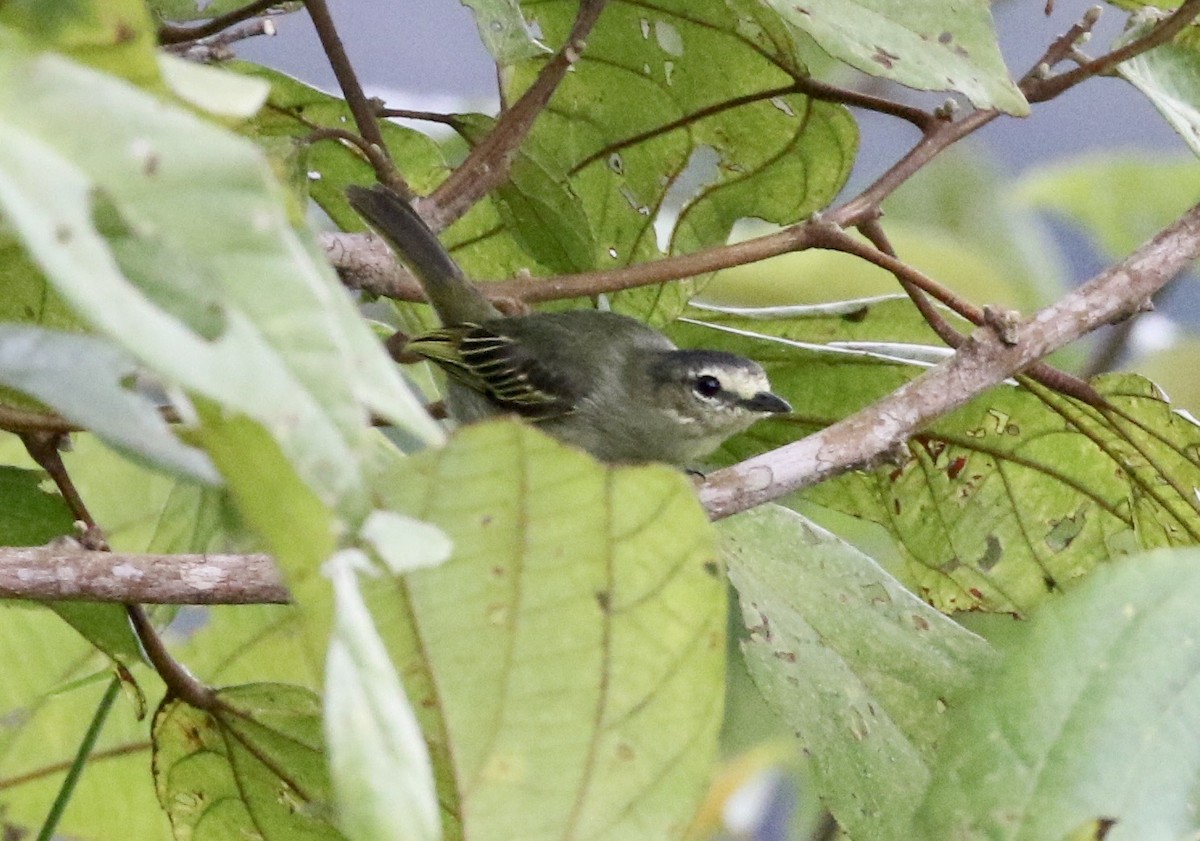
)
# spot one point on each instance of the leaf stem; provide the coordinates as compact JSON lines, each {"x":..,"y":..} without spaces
{"x":81,"y":757}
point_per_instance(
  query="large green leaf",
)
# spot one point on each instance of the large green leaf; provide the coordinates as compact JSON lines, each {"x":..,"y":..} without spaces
{"x":1094,"y":713}
{"x":926,"y":44}
{"x":258,"y":324}
{"x":1010,"y":498}
{"x":677,"y":117}
{"x":115,"y":36}
{"x":567,"y":663}
{"x":859,"y":667}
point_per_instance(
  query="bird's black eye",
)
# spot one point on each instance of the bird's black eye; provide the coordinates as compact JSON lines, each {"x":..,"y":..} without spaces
{"x":707,"y":385}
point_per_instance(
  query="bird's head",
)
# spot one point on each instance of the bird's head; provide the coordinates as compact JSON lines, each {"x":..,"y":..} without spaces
{"x":713,"y":394}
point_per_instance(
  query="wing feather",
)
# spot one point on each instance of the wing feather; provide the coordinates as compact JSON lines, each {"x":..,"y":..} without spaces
{"x":498,"y":366}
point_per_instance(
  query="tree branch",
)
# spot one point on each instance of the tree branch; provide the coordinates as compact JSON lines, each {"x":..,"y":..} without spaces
{"x":170,"y":33}
{"x":487,"y":165}
{"x":983,"y":361}
{"x":1040,"y":89}
{"x":362,"y":108}
{"x":68,"y":572}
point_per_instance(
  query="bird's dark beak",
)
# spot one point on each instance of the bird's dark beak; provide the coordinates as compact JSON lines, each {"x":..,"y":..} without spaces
{"x":767,"y":403}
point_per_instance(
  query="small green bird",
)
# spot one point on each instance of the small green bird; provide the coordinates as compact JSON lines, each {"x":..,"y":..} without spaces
{"x":603,"y":382}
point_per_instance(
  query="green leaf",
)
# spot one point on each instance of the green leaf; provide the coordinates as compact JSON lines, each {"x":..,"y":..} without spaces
{"x":504,"y":31}
{"x":29,"y":515}
{"x":1120,"y":199}
{"x":53,"y":679}
{"x":32,"y":517}
{"x":1094,"y":713}
{"x":537,"y":205}
{"x":1016,"y":495}
{"x":405,"y":544}
{"x":114,"y":36}
{"x":213,"y":89}
{"x":679,"y":117}
{"x":292,"y":352}
{"x":1169,"y":76}
{"x":860,"y":668}
{"x":27,"y":297}
{"x":206,"y":9}
{"x":925,"y":44}
{"x":291,"y":518}
{"x":567,"y":663}
{"x":382,"y":777}
{"x":295,"y":110}
{"x":83,"y":378}
{"x":253,"y":766}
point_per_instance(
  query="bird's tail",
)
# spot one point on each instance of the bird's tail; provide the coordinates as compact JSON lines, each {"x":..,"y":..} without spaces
{"x":455,"y":298}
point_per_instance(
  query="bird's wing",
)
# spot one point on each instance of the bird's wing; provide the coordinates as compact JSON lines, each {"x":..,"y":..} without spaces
{"x":500,"y":367}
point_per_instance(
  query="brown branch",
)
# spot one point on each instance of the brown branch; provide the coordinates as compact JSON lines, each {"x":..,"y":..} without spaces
{"x":923,"y":120}
{"x":982,"y":362}
{"x":375,"y":155}
{"x":44,"y":448}
{"x":23,"y":420}
{"x":364,"y":266}
{"x":217,"y":47}
{"x":169,"y":33}
{"x":487,"y":165}
{"x":65,"y":571}
{"x":917,"y":285}
{"x":1040,"y":89}
{"x":180,"y":682}
{"x":361,"y":108}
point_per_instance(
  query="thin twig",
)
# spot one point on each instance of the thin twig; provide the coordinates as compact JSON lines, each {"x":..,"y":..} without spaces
{"x":825,"y":92}
{"x":1039,"y":89}
{"x":44,"y":448}
{"x":170,"y":33}
{"x":58,"y":767}
{"x":374,"y":154}
{"x":217,"y":47}
{"x":487,"y":165}
{"x":361,"y":108}
{"x":917,"y":285}
{"x":873,"y":231}
{"x":721,"y":107}
{"x":17,"y":420}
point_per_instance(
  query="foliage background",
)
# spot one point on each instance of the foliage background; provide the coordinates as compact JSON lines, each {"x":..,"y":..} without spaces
{"x":627,"y":752}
